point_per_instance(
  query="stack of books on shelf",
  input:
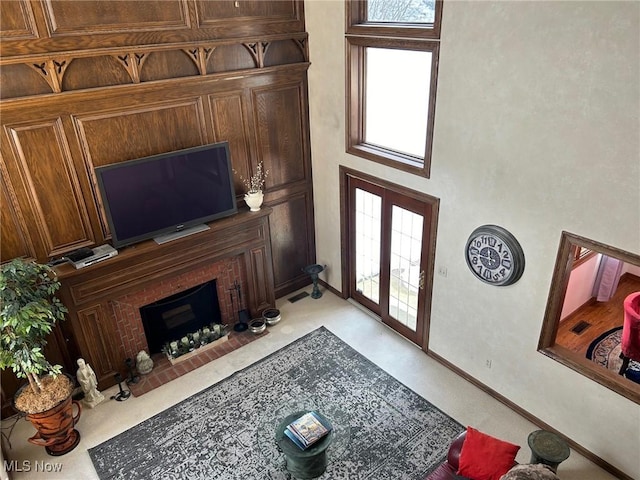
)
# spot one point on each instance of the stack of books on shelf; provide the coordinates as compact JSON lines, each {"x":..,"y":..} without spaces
{"x":307,"y":430}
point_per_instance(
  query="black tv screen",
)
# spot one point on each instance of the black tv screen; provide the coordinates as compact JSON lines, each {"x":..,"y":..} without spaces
{"x":165,"y":193}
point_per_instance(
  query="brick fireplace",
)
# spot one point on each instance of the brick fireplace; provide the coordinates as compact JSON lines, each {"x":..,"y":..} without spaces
{"x":104,"y":324}
{"x":125,"y":310}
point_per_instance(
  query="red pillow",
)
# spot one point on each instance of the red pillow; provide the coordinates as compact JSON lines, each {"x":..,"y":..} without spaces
{"x":484,"y":457}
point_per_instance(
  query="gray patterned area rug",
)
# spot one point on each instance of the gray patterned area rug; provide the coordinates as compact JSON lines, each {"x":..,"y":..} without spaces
{"x":382,"y":429}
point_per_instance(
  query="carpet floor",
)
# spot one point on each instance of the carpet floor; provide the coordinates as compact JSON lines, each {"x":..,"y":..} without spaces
{"x":382,"y":429}
{"x":605,"y":350}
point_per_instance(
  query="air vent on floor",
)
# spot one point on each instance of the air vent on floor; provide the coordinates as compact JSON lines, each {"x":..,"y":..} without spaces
{"x":299,"y":296}
{"x":580,"y":327}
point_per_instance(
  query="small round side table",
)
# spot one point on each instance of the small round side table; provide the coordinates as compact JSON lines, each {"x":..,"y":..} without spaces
{"x":547,"y":448}
{"x":303,"y":464}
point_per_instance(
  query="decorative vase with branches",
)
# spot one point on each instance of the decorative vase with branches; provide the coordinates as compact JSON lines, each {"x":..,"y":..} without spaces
{"x":254,"y":184}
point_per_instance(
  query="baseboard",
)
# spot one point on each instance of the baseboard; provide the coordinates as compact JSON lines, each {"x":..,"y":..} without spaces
{"x":532,"y":418}
{"x":331,"y":289}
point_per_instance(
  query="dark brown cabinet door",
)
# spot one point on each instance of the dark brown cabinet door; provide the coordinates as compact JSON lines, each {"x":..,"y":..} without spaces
{"x":277,"y":114}
{"x":280,"y":116}
{"x":95,"y":337}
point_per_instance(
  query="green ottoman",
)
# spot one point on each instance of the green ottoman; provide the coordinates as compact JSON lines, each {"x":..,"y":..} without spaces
{"x":303,"y":464}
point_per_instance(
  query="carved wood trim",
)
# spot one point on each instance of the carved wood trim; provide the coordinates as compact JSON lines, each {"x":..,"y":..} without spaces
{"x":52,"y":71}
{"x":156,"y":47}
{"x":255,"y":51}
{"x":51,"y":67}
{"x":132,"y":62}
{"x":304,"y":47}
{"x":200,"y":57}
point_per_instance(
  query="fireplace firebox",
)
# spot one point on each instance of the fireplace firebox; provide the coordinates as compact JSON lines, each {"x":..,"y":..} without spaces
{"x":178,"y":315}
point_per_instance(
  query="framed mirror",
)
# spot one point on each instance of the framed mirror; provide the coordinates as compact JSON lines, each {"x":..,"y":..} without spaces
{"x":584,"y":318}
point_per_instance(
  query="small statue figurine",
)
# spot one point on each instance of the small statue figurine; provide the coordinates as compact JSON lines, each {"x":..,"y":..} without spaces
{"x":144,"y":364}
{"x":87,"y":379}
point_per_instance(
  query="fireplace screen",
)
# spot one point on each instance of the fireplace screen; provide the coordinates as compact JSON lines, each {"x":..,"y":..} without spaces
{"x":174,"y":317}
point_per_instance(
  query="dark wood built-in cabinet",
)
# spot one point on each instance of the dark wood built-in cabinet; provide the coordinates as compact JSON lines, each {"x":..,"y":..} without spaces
{"x":90,"y":331}
{"x":86,"y":84}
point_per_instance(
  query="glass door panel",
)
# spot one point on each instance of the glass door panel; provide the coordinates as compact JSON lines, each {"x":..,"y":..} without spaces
{"x":368,"y":218}
{"x":406,"y":275}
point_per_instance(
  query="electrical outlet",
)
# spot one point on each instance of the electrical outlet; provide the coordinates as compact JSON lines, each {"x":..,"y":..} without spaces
{"x":442,"y":271}
{"x":487,"y":363}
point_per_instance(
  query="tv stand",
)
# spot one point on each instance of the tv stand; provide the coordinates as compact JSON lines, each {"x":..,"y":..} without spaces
{"x":169,"y":237}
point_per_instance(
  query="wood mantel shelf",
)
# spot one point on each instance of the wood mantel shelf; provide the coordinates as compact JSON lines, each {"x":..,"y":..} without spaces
{"x":90,"y":331}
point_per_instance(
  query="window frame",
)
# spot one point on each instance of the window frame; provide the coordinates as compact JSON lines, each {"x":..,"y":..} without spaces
{"x":357,"y":24}
{"x":557,"y":291}
{"x":581,"y":255}
{"x":361,"y":35}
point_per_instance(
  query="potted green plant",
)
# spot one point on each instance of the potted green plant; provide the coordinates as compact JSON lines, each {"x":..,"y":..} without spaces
{"x":28,"y":313}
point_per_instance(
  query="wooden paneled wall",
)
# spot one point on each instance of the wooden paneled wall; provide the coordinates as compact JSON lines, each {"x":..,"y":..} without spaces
{"x":85,"y":83}
{"x":89,"y":83}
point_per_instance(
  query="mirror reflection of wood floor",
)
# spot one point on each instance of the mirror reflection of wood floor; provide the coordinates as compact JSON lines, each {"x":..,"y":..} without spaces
{"x":601,"y":317}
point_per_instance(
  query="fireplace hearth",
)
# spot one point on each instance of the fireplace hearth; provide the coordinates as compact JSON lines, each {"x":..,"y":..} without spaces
{"x":164,"y":372}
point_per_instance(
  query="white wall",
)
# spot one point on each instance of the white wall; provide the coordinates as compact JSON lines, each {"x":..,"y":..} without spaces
{"x":632,"y":269}
{"x":537,"y":129}
{"x":580,"y":286}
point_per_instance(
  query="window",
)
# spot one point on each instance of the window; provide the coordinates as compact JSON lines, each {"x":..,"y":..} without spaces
{"x":581,"y":255}
{"x":548,"y":343}
{"x":392,"y":60}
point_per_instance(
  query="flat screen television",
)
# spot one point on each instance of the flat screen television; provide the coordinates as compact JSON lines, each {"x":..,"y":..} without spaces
{"x":177,"y":192}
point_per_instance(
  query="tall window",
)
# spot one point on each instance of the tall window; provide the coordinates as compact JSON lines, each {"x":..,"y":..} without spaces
{"x":392,"y":64}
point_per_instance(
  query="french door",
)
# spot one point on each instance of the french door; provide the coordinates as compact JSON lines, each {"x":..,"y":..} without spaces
{"x":390,"y":254}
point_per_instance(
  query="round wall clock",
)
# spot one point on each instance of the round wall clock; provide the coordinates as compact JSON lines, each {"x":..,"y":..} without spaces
{"x":494,"y":255}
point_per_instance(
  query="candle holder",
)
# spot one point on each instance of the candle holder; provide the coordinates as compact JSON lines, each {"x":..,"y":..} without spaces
{"x":123,"y":394}
{"x":313,"y":271}
{"x":132,"y":378}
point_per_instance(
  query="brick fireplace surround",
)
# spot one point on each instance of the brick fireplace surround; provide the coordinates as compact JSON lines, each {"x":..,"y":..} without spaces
{"x":125,"y":311}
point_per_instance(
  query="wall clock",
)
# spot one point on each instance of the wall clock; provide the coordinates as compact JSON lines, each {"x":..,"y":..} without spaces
{"x":494,"y":255}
